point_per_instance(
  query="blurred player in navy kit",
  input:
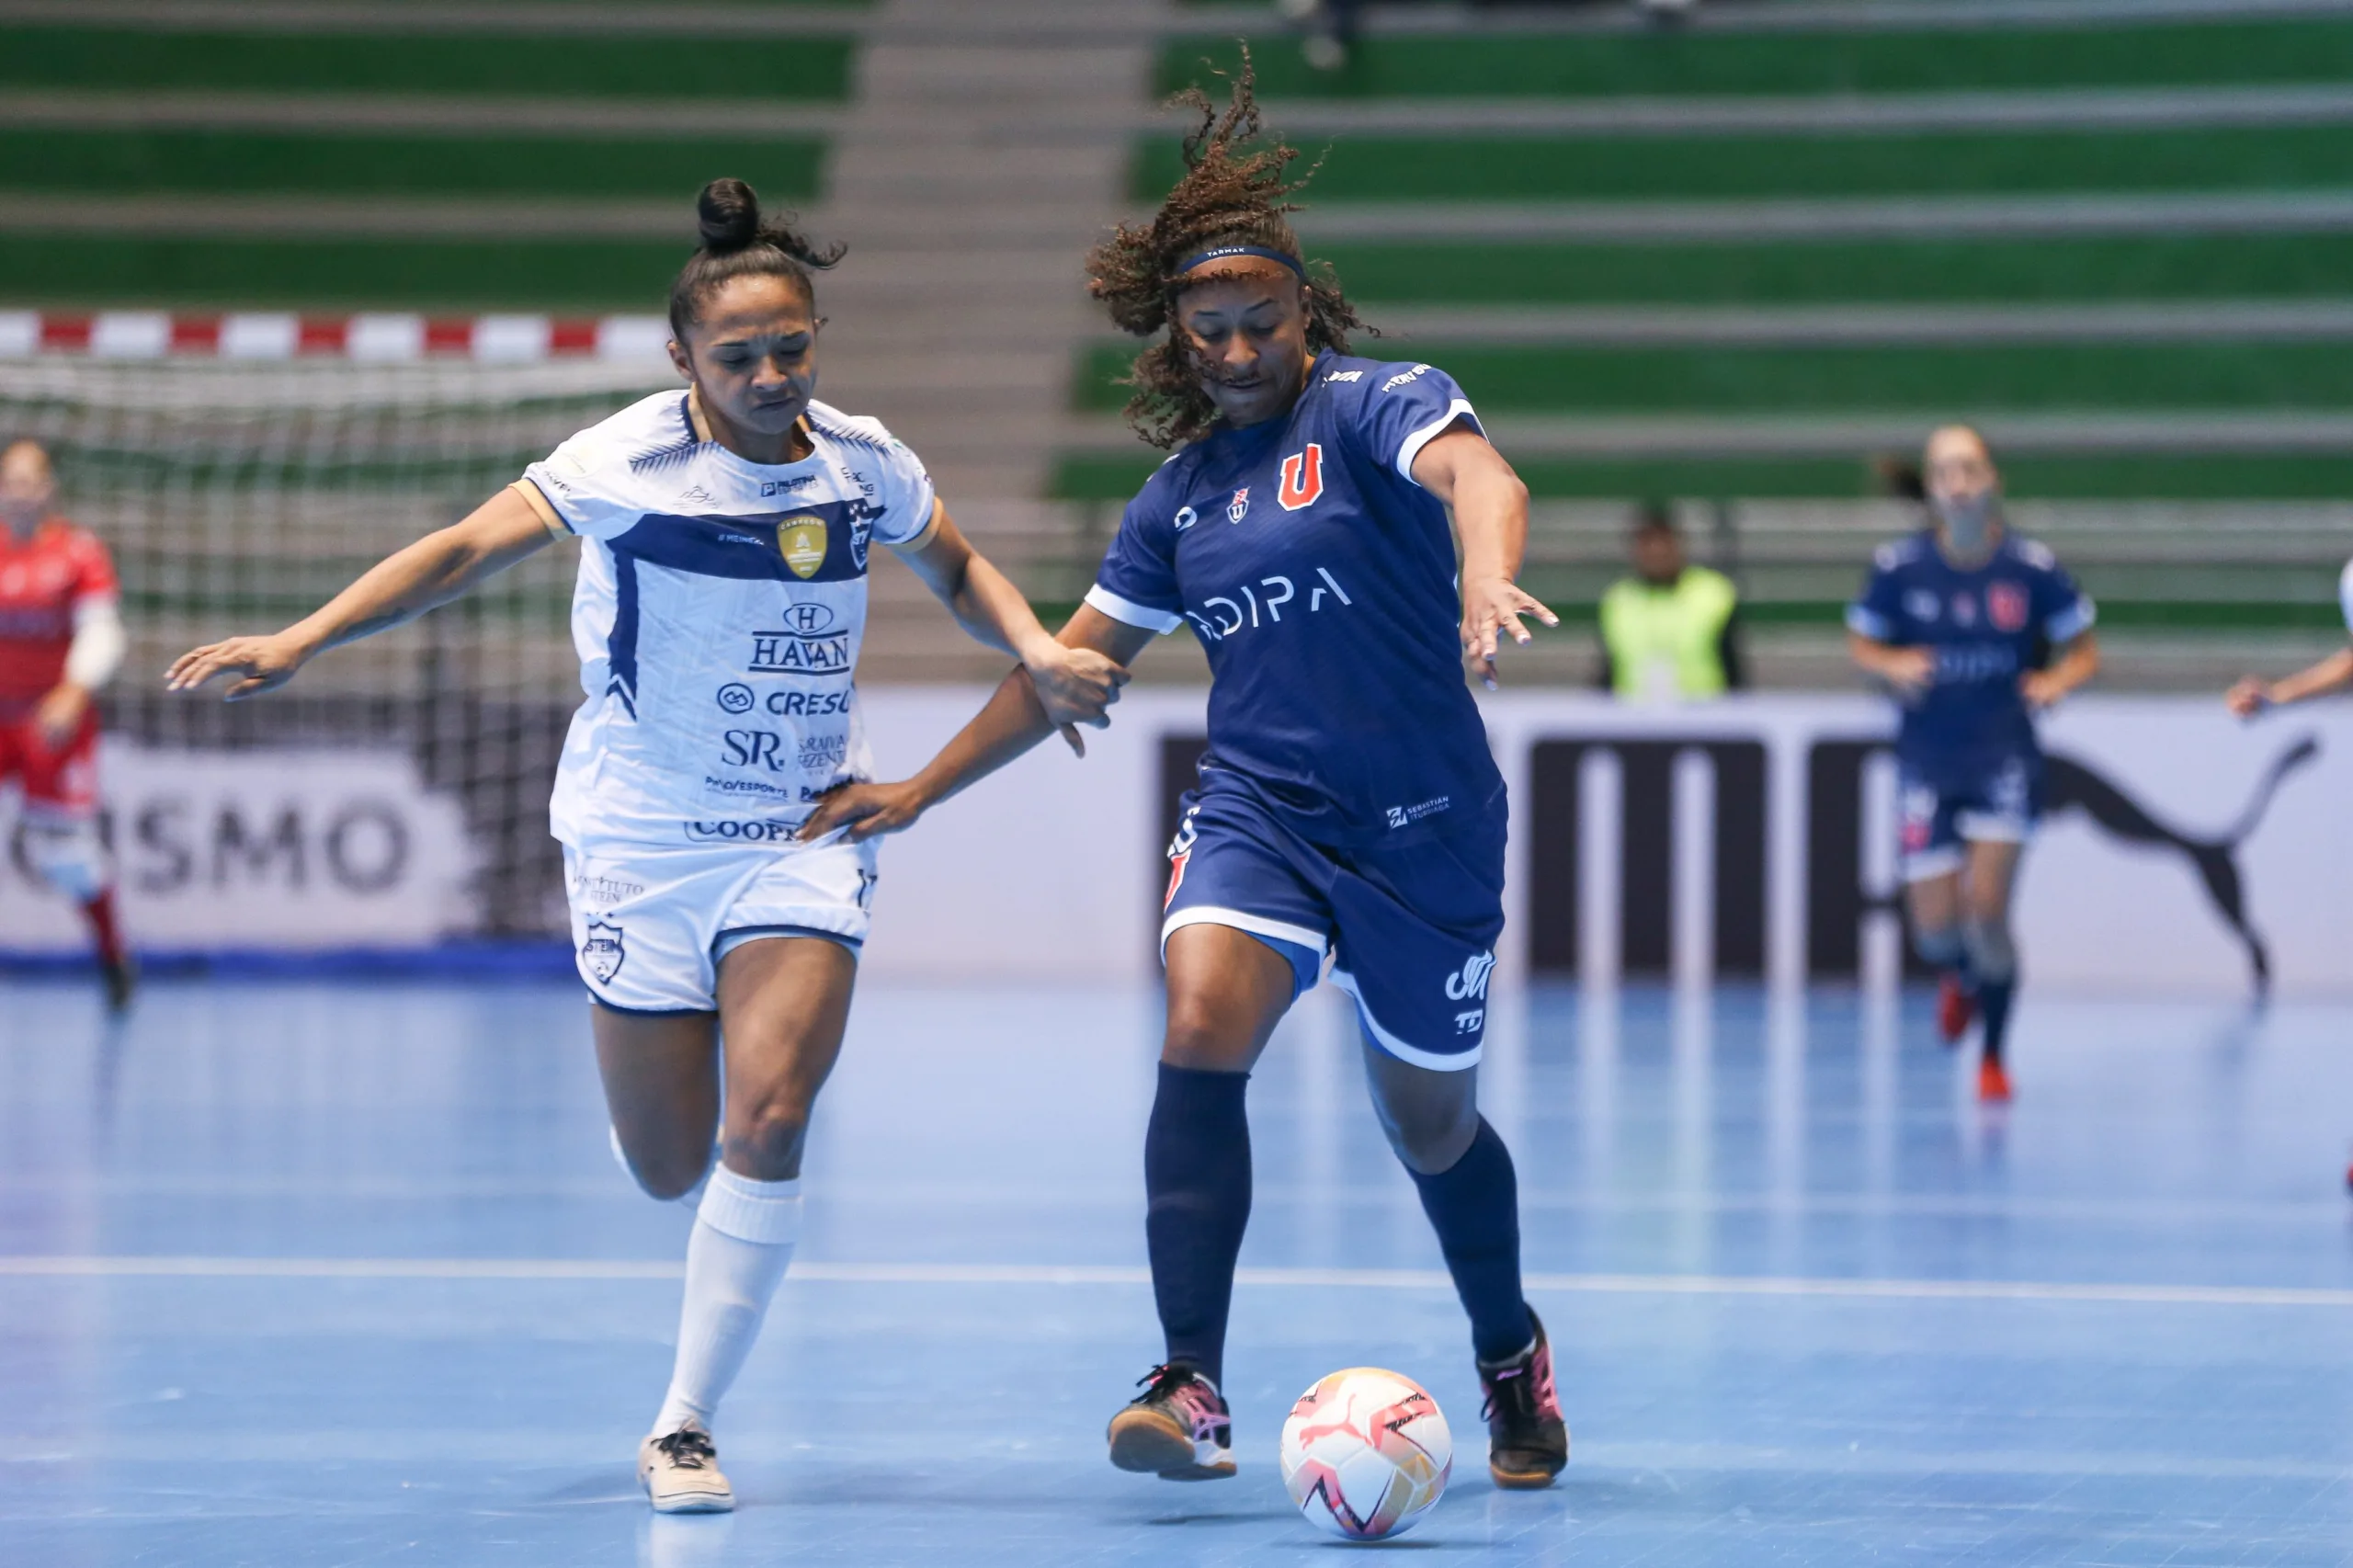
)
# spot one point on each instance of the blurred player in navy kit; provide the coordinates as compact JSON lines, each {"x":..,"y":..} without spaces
{"x":1954,"y":620}
{"x":1349,"y":805}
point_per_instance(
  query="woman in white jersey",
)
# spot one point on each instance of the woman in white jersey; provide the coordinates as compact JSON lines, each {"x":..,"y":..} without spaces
{"x":721,"y":598}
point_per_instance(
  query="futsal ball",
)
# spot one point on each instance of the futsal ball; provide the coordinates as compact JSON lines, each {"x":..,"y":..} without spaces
{"x":1366,"y":1453}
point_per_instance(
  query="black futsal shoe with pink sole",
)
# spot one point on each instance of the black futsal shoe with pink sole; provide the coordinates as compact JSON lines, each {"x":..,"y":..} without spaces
{"x":1527,"y":1443}
{"x":1178,"y":1428}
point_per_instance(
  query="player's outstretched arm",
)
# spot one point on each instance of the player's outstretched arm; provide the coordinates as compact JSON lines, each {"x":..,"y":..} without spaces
{"x":403,"y":586}
{"x":2252,"y":696}
{"x":1011,"y":723}
{"x":1075,"y":684}
{"x":1491,"y":514}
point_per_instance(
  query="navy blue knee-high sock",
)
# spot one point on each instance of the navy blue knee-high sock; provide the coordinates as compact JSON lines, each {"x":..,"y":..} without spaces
{"x":1196,"y":1185}
{"x":1474,"y":1207}
{"x":1993,"y":1007}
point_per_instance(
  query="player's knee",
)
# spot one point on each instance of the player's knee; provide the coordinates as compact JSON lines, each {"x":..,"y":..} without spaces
{"x":667,"y":1174}
{"x":1991,"y":951}
{"x":1430,"y":1145}
{"x":1939,"y":947}
{"x":1428,"y":1134}
{"x":766,"y":1142}
{"x":1201,"y":1036}
{"x":68,"y":856}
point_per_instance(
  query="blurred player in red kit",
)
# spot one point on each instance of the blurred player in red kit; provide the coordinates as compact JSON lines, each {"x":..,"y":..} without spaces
{"x":60,"y":640}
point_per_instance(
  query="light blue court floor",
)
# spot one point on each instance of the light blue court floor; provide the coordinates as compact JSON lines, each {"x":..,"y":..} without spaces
{"x":341,"y":1273}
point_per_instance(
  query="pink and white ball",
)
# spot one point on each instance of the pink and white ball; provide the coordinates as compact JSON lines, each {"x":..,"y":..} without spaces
{"x":1366,"y":1453}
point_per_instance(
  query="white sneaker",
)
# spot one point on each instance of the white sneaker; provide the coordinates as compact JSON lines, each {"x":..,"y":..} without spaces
{"x":680,"y":1472}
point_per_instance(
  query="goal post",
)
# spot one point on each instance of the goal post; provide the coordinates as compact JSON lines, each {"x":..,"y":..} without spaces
{"x":395,"y":795}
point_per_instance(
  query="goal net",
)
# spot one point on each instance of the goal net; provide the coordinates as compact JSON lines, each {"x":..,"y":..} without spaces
{"x":396,"y":793}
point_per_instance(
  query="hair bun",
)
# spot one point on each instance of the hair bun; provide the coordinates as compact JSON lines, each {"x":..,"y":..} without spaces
{"x":729,"y":214}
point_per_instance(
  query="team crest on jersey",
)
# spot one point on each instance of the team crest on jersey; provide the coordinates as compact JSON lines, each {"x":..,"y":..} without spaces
{"x":2005,"y":606}
{"x":861,"y":532}
{"x":802,"y":541}
{"x":1239,"y":507}
{"x":602,"y":953}
{"x":1303,"y":478}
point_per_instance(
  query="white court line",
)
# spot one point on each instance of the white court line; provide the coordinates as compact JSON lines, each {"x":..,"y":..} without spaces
{"x":528,"y":1269}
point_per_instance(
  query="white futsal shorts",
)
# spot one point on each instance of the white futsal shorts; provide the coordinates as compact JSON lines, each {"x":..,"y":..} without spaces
{"x":650,"y":922}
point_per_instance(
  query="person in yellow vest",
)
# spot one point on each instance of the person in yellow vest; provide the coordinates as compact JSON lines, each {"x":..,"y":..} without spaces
{"x":1668,"y":632}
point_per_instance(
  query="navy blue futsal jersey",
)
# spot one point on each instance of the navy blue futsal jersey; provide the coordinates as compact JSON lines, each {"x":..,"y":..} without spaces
{"x":1984,"y":624}
{"x":1320,"y":578}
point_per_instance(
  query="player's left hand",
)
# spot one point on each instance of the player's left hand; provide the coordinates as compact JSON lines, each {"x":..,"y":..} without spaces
{"x":862,"y":812}
{"x":261,"y":663}
{"x":1075,"y":686}
{"x":2041,"y":690}
{"x":1492,"y":606}
{"x":60,"y":714}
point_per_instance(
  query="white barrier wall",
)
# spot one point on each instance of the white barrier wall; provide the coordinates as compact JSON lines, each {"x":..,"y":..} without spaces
{"x":2165,"y":813}
{"x":1751,"y":837}
{"x":281,"y":847}
{"x":1046,"y":869}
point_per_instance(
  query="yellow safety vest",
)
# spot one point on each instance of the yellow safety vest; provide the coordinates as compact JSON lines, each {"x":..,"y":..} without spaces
{"x":1670,"y":637}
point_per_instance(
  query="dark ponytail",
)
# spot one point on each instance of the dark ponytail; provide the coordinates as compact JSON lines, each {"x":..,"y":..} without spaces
{"x":739,"y":243}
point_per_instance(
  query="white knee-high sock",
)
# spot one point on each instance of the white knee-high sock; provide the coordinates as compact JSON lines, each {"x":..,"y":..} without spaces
{"x":743,"y":1240}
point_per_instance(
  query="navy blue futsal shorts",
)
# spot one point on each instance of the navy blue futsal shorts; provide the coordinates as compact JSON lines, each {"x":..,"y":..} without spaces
{"x":1998,"y":801}
{"x":1409,"y":930}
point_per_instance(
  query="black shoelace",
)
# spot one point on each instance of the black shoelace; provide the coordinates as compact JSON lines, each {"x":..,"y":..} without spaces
{"x":1513,"y":1391}
{"x":1162,"y":1381}
{"x":687,"y":1447}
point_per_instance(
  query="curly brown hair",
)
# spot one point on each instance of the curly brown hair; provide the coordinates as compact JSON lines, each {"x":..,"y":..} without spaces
{"x":1236,"y":190}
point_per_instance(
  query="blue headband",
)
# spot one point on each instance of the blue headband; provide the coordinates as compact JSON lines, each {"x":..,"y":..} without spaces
{"x":1221,"y":252}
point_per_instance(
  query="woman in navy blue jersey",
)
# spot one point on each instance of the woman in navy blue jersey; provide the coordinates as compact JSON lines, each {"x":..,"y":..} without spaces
{"x":1348,"y":807}
{"x":1955,"y":620}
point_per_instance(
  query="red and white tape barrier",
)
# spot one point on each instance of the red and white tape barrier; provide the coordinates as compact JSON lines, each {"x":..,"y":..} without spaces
{"x":385,"y":337}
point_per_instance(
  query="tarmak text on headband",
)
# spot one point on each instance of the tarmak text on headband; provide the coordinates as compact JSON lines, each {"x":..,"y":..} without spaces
{"x":1221,"y":252}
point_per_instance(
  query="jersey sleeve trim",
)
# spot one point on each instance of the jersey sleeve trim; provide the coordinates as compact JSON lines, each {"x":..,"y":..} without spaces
{"x":1459,"y":409}
{"x":533,"y":498}
{"x":1130,"y":613}
{"x":1865,"y":622}
{"x":924,"y":535}
{"x":2345,"y":594}
{"x":921,"y":498}
{"x":2073,"y":621}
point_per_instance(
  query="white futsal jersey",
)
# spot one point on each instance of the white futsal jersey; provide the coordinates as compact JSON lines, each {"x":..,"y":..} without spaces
{"x":718,"y":616}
